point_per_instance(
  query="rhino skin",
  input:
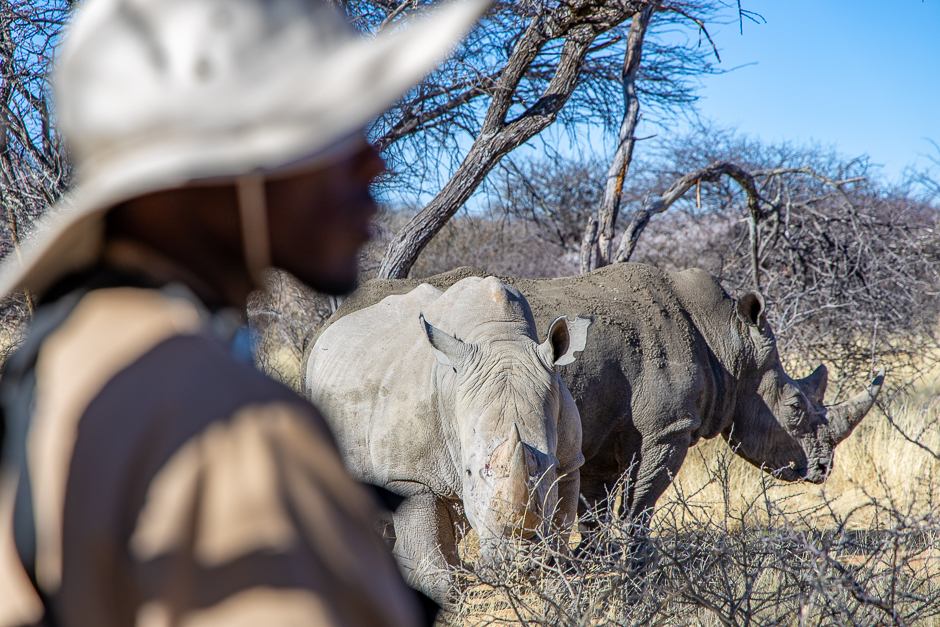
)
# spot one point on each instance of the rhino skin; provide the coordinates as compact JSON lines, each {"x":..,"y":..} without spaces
{"x":671,"y":359}
{"x":449,"y":400}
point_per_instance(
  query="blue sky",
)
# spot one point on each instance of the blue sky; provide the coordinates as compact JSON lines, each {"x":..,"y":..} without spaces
{"x":852,"y":75}
{"x":859,"y":75}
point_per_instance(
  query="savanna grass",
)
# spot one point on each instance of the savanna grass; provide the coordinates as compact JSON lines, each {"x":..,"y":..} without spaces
{"x":730,"y":545}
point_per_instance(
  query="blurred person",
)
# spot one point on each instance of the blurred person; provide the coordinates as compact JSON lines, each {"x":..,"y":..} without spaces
{"x":152,"y":476}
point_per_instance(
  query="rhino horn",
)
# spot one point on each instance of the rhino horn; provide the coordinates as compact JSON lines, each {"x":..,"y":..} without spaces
{"x":844,"y":417}
{"x":502,"y":456}
{"x":518,"y":480}
{"x":514,"y":438}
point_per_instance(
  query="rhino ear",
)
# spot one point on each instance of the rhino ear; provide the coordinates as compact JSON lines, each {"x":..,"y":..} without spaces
{"x":448,"y":350}
{"x":565,"y":338}
{"x":751,"y":310}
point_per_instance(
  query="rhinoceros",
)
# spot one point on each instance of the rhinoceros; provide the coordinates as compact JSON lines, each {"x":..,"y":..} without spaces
{"x":671,"y":359}
{"x":449,"y":400}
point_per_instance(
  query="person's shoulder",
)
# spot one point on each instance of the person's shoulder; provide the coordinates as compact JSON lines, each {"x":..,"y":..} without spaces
{"x":151,"y":358}
{"x":188,"y":393}
{"x":193,"y":378}
{"x":199,"y":366}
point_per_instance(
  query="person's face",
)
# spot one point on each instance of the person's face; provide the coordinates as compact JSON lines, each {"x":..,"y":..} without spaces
{"x":320,"y":219}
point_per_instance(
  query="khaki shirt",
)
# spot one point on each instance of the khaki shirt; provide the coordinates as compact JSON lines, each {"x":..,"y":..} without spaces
{"x":175,"y":485}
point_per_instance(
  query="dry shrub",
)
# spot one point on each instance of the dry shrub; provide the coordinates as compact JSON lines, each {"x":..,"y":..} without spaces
{"x":681,"y":241}
{"x":730,"y":545}
{"x":14,"y":321}
{"x":489,"y":242}
{"x":35,"y":168}
{"x":282,"y":318}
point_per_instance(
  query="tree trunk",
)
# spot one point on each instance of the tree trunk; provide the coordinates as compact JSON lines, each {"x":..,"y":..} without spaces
{"x":610,"y":206}
{"x":589,"y":245}
{"x":498,"y":136}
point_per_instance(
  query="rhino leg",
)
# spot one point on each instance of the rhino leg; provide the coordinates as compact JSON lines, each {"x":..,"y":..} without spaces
{"x":567,"y":510}
{"x":602,"y":472}
{"x":660,"y":460}
{"x":649,"y":464}
{"x":568,"y":498}
{"x":425,"y":544}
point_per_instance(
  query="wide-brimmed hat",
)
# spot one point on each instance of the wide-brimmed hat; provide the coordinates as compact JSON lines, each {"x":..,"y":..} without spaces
{"x":157,"y":94}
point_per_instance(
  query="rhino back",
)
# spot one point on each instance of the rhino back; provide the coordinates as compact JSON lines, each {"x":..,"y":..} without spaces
{"x":645,"y":353}
{"x":371,"y":374}
{"x":373,"y":291}
{"x":661,"y":344}
{"x":482,"y":309}
{"x":370,"y":293}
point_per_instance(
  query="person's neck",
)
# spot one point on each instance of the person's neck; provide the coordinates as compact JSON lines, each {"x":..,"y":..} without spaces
{"x":215,"y":292}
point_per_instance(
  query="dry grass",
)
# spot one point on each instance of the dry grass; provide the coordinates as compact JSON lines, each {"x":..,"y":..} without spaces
{"x":730,"y":545}
{"x":875,"y":464}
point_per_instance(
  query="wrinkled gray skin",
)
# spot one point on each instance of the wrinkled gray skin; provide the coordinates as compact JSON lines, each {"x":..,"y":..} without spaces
{"x":449,"y":400}
{"x":671,"y":359}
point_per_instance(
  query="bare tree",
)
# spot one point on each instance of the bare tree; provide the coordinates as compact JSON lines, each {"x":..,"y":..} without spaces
{"x":597,"y":246}
{"x":927,"y":180}
{"x":499,"y":134}
{"x":556,"y":195}
{"x":34,"y":165}
{"x":603,"y":234}
{"x":535,"y":63}
{"x":429,"y":125}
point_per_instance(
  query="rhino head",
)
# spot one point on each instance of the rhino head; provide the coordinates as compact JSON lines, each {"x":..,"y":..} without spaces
{"x":508,"y":406}
{"x":781,"y":424}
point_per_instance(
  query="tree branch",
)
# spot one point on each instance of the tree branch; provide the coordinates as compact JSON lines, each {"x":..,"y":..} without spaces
{"x":498,"y":137}
{"x":610,"y":205}
{"x":658,"y":204}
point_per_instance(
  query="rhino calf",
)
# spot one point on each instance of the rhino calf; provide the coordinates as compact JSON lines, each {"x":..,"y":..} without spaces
{"x":449,"y":400}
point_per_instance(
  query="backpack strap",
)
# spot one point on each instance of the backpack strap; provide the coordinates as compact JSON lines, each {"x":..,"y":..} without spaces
{"x":17,"y":392}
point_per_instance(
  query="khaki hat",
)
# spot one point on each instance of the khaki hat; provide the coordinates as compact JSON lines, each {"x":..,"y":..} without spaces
{"x":157,"y":94}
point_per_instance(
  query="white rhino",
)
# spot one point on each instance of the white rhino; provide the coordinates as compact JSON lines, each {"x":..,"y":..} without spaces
{"x":449,"y":400}
{"x":673,"y":359}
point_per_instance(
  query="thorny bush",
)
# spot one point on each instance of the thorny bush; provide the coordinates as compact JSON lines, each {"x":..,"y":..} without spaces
{"x":763,"y":564}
